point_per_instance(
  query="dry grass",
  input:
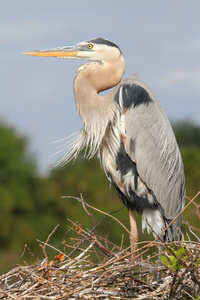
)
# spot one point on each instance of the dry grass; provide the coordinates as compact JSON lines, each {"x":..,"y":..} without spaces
{"x":97,"y":269}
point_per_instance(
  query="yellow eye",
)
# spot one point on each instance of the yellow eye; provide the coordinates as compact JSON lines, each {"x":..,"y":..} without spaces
{"x":90,"y":46}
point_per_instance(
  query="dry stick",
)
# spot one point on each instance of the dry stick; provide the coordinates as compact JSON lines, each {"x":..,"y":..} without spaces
{"x":84,"y":294}
{"x":89,"y":214}
{"x":45,"y":244}
{"x":197,"y":209}
{"x":62,"y":242}
{"x":102,"y":212}
{"x":174,"y":286}
{"x":148,"y":246}
{"x":88,"y":236}
{"x":82,"y":288}
{"x":77,"y":247}
{"x":195,"y":279}
{"x":29,"y":250}
{"x":190,"y":227}
{"x":106,"y":241}
{"x":106,"y":215}
{"x":50,"y":246}
{"x":103,"y":239}
{"x":94,"y":231}
{"x":109,"y":215}
{"x":159,"y":252}
{"x":66,"y":295}
{"x":114,"y":260}
{"x":191,"y":270}
{"x":158,"y":237}
{"x":78,"y":257}
{"x":188,"y":268}
{"x":7,"y":295}
{"x":28,"y":275}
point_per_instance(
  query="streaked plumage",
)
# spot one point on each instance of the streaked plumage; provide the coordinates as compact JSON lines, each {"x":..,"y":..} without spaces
{"x":130,"y":132}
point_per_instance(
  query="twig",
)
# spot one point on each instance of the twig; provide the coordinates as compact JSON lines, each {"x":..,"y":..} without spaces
{"x":102,"y":212}
{"x":191,"y":200}
{"x":45,"y":244}
{"x":190,"y":229}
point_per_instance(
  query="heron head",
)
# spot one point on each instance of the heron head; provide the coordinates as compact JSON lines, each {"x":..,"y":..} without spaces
{"x":98,"y":49}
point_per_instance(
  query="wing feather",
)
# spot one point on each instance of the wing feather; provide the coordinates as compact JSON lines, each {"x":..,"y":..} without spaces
{"x":151,"y":144}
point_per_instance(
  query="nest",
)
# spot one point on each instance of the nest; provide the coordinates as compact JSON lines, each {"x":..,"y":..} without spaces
{"x":97,"y":269}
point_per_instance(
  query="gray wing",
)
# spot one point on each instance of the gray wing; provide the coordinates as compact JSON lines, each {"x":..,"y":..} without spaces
{"x":151,"y":144}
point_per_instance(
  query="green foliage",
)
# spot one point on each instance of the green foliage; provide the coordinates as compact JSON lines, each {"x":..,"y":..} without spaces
{"x":174,"y":261}
{"x":188,"y":138}
{"x":17,"y":183}
{"x":191,"y":160}
{"x":187,"y":134}
{"x":197,"y":262}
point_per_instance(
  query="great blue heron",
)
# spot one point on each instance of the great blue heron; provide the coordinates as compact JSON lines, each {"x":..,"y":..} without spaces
{"x":131,"y":134}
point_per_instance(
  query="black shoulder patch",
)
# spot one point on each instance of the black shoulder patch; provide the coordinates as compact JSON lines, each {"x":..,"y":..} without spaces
{"x":103,"y":42}
{"x":132,"y":95}
{"x":125,"y":164}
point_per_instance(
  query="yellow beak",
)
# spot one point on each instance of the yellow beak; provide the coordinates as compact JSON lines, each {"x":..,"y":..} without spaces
{"x":64,"y":52}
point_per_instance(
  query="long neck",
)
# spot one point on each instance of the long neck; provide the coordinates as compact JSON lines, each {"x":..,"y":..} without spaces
{"x":90,"y":80}
{"x":96,"y":112}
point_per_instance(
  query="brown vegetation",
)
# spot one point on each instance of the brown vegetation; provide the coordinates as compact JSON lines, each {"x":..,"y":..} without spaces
{"x":95,"y":268}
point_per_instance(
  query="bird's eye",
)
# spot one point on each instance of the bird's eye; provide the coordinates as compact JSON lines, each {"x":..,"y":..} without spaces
{"x":90,"y":46}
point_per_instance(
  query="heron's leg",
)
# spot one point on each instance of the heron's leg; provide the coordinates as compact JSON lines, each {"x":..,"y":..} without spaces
{"x":158,"y":275}
{"x":134,"y":234}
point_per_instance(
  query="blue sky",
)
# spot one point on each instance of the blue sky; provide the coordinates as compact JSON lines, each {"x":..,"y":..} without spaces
{"x":160,"y":41}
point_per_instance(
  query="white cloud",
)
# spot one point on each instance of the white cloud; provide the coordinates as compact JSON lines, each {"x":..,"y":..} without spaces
{"x":20,"y":32}
{"x":180,"y":76}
